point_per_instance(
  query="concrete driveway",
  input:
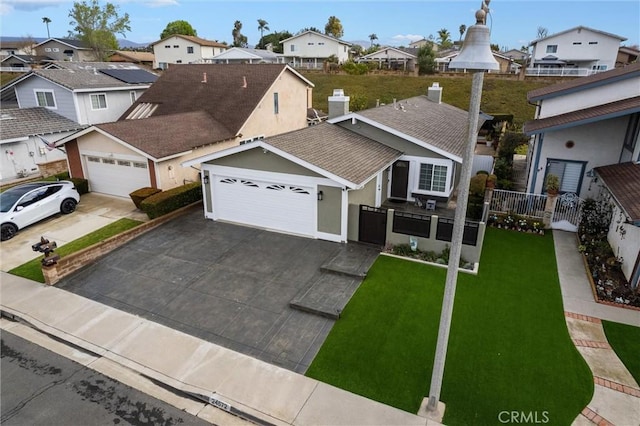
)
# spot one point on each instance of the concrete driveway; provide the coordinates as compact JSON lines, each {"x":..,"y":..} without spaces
{"x":93,"y":212}
{"x":230,"y":285}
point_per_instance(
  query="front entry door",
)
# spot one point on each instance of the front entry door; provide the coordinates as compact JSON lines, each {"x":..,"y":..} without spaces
{"x":399,"y":179}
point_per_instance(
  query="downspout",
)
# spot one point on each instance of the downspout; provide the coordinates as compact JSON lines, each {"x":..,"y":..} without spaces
{"x":536,"y":165}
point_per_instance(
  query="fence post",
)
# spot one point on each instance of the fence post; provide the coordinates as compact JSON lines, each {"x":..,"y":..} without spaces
{"x":549,"y":208}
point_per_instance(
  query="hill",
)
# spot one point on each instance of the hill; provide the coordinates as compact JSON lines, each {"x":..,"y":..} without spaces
{"x":498,"y":95}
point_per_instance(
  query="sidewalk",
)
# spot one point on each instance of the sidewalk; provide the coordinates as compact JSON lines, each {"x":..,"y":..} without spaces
{"x":616,"y":397}
{"x":269,"y":393}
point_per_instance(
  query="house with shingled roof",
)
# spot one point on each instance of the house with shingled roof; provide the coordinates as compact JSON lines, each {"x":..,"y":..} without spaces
{"x":310,"y":49}
{"x":27,"y":139}
{"x":65,"y":49}
{"x":317,"y":182}
{"x":86,"y":93}
{"x":190,"y":111}
{"x":586,"y":132}
{"x":184,"y":49}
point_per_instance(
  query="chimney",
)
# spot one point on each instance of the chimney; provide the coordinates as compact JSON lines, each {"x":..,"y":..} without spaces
{"x":434,"y":93}
{"x":244,"y":82}
{"x":204,"y":77}
{"x":338,"y":104}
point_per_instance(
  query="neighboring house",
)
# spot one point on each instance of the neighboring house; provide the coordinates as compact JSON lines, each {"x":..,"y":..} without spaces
{"x":423,"y":42}
{"x":312,"y":181}
{"x":23,"y":63}
{"x":311,"y":49}
{"x":65,"y":49}
{"x":506,"y":65}
{"x":183,"y":49}
{"x":133,"y":57}
{"x":516,"y":55}
{"x":20,"y":140}
{"x":620,"y":185}
{"x":190,"y":111}
{"x":578,"y":51}
{"x":393,"y":58}
{"x":626,"y":56}
{"x":583,"y":124}
{"x":86,"y":96}
{"x":241,"y":55}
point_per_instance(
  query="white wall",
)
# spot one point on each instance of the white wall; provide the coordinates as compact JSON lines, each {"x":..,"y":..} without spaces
{"x":172,"y":55}
{"x":311,"y":45}
{"x":624,"y":239}
{"x":16,"y":156}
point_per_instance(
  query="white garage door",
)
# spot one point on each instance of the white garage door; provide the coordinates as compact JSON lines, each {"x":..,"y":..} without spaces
{"x":116,"y":176}
{"x":269,"y":205}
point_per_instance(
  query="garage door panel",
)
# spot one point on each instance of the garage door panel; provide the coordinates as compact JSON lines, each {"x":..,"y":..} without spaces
{"x":269,"y":205}
{"x":115,"y":176}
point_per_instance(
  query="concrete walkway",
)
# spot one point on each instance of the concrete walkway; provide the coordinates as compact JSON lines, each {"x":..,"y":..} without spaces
{"x":235,"y":381}
{"x":616,"y":397}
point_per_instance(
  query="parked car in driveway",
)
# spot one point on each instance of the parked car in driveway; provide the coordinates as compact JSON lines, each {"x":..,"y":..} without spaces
{"x":26,"y":204}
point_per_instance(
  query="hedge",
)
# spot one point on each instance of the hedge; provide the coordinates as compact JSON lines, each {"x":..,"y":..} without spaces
{"x":167,"y":201}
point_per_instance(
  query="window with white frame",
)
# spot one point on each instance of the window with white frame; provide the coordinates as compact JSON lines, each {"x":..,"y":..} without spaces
{"x":432,"y":178}
{"x":293,"y":47}
{"x":45,"y":98}
{"x":552,"y":48}
{"x":99,"y":101}
{"x":189,"y":49}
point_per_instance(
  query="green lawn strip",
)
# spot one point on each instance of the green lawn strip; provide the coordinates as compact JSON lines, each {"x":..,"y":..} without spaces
{"x":625,"y":341}
{"x":509,"y":346}
{"x":33,"y":269}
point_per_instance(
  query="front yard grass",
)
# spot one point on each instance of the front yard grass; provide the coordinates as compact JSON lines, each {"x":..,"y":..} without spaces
{"x":33,"y":269}
{"x":625,"y":341}
{"x":509,"y":347}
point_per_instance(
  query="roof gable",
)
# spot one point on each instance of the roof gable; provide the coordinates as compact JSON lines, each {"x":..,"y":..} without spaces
{"x":82,"y":79}
{"x":73,"y":43}
{"x":229,"y":93}
{"x":578,"y":29}
{"x":316,"y":34}
{"x":193,"y":39}
{"x":401,"y":52}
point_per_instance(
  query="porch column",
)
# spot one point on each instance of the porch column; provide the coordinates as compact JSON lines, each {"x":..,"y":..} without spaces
{"x":549,"y":208}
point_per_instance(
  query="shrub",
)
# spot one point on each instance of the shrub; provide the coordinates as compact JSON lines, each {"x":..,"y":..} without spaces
{"x":171,"y":200}
{"x":358,"y":102}
{"x":82,"y":185}
{"x":139,"y":195}
{"x":477,"y":185}
{"x":353,"y":68}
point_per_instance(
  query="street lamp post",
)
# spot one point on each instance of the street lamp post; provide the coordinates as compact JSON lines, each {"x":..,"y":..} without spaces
{"x":475,"y":55}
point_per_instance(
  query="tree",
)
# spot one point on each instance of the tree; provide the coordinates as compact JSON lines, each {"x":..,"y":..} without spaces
{"x":239,"y":40}
{"x":444,"y":38}
{"x":314,"y":29}
{"x":47,"y":21}
{"x":494,"y":47}
{"x":178,"y":27}
{"x":426,"y":60}
{"x":262,"y":27}
{"x":372,"y":37}
{"x":275,"y":40}
{"x":26,"y":44}
{"x":462,"y":30}
{"x":97,"y":26}
{"x":542,"y":33}
{"x":334,"y":27}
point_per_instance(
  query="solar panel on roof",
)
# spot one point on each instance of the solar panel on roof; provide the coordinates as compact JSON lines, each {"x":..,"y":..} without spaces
{"x":130,"y":76}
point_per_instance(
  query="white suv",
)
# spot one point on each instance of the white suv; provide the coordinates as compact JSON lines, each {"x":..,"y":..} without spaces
{"x":25,"y":204}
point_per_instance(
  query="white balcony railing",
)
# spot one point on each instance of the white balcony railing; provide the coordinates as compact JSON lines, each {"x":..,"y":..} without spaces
{"x":15,"y":69}
{"x":560,"y":72}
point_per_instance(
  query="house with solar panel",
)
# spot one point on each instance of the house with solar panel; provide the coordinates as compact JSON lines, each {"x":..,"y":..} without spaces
{"x":84,"y":92}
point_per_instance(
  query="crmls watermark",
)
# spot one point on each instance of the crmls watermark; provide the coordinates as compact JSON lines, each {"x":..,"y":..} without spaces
{"x":523,"y":417}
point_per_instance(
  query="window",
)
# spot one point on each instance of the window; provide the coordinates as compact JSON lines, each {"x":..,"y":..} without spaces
{"x":179,"y":61}
{"x":124,"y":163}
{"x":175,"y":46}
{"x":189,"y":49}
{"x":47,"y":49}
{"x":631,"y":136}
{"x":99,"y":101}
{"x":577,"y":43}
{"x":293,"y":47}
{"x":552,"y":48}
{"x":167,"y":46}
{"x":310,"y":44}
{"x":599,"y":68}
{"x":276,"y":106}
{"x":593,"y":42}
{"x":133,"y":96}
{"x":432,"y":178}
{"x":321,"y":43}
{"x":569,"y":172}
{"x":139,"y":165}
{"x":45,"y":99}
{"x":55,"y":49}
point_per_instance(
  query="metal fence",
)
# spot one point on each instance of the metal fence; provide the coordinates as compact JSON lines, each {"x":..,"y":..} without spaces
{"x":521,"y":203}
{"x":560,"y":72}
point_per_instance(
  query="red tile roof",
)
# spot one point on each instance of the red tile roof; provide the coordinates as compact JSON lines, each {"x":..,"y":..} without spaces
{"x":623,"y":181}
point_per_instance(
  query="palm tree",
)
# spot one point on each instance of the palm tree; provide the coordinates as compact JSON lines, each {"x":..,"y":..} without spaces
{"x":445,"y":37}
{"x":373,"y":37}
{"x":462,"y":29}
{"x":262,"y":27}
{"x":47,"y":21}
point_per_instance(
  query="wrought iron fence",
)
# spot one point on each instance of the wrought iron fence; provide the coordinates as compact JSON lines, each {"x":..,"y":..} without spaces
{"x":521,"y":203}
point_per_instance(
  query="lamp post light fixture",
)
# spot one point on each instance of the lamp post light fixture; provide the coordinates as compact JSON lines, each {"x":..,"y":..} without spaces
{"x":475,"y":55}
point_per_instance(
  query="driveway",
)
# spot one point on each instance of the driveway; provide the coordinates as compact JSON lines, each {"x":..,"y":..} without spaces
{"x":230,"y":285}
{"x":93,"y":212}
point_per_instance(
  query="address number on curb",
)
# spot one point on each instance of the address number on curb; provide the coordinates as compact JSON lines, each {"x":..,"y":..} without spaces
{"x":220,"y":404}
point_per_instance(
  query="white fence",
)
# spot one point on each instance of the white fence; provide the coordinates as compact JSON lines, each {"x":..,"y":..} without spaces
{"x":15,"y":69}
{"x":567,"y":212}
{"x":560,"y":72}
{"x":520,"y":203}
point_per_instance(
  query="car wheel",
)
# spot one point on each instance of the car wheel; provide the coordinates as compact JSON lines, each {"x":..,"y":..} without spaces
{"x":7,"y":231}
{"x":68,"y":206}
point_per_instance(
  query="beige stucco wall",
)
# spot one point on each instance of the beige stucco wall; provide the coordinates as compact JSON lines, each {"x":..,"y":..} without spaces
{"x":366,"y":195}
{"x":329,"y":210}
{"x":292,"y":109}
{"x":99,"y":143}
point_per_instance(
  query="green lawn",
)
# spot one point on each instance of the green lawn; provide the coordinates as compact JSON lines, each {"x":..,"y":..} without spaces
{"x":509,"y":347}
{"x":625,"y":341}
{"x":33,"y":269}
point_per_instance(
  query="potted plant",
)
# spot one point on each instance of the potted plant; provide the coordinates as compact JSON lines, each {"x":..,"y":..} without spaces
{"x":552,"y":184}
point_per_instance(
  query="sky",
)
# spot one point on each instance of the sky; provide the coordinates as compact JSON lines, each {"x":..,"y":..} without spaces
{"x":513,"y":23}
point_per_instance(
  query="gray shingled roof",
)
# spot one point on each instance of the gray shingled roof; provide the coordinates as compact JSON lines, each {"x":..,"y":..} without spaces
{"x":582,"y":83}
{"x":89,"y":66}
{"x":81,"y":79}
{"x":164,"y":136}
{"x":587,"y":115}
{"x":440,"y":125}
{"x":623,"y":180}
{"x":24,"y":122}
{"x":341,"y":152}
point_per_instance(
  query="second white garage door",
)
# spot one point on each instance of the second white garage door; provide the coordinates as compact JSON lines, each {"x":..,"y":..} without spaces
{"x":116,"y":176}
{"x":269,"y":205}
